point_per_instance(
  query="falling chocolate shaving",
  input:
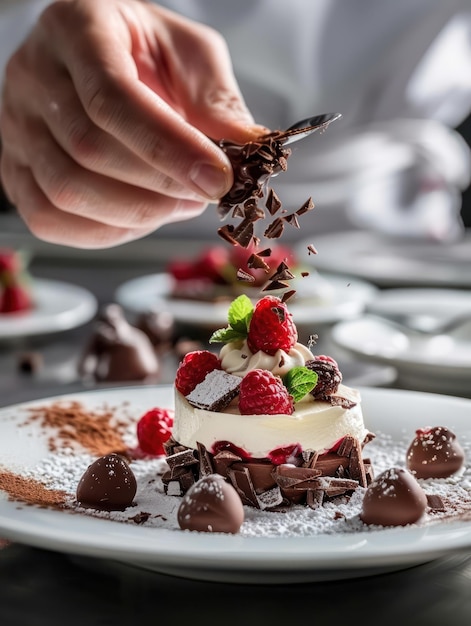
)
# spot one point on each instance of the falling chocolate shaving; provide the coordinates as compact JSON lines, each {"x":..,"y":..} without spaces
{"x":256,"y":262}
{"x":288,"y":295}
{"x":307,"y":206}
{"x":275,"y":285}
{"x":282,"y":272}
{"x":292,"y":220}
{"x":311,"y":249}
{"x":225,"y":232}
{"x":275,"y":229}
{"x":265,"y":252}
{"x":273,"y":202}
{"x":245,"y":276}
{"x":305,"y":274}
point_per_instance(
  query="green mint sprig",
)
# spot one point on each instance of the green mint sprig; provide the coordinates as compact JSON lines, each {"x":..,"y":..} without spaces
{"x":299,"y":381}
{"x":239,"y":316}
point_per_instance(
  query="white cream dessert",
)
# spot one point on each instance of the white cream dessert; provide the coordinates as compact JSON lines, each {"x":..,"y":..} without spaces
{"x":268,"y":407}
{"x":314,"y":425}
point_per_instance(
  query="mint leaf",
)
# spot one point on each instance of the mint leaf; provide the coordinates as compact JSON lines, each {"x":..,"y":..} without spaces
{"x":239,"y":316}
{"x":240,"y":313}
{"x":299,"y":381}
{"x":225,"y":335}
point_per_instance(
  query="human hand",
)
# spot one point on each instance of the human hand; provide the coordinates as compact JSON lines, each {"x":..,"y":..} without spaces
{"x":106,"y":116}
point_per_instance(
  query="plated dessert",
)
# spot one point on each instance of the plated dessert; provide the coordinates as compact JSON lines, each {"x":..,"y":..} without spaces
{"x":263,"y":438}
{"x":15,"y":283}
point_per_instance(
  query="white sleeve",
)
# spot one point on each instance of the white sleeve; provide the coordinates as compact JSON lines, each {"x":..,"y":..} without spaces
{"x":17,"y":18}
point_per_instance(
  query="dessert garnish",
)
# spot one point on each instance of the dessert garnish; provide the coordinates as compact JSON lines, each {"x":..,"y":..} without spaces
{"x":153,"y":430}
{"x":15,"y":289}
{"x":108,"y":484}
{"x":254,"y":164}
{"x":434,"y":453}
{"x":211,"y":505}
{"x":394,"y":498}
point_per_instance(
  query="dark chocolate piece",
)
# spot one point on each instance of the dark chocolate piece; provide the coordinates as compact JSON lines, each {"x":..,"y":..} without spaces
{"x":216,"y":391}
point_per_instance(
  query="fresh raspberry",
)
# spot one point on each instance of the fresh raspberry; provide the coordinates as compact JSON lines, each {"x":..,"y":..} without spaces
{"x":194,"y":368}
{"x":263,"y":393}
{"x":329,"y":376}
{"x":15,"y":298}
{"x":272,"y":327}
{"x":154,"y":429}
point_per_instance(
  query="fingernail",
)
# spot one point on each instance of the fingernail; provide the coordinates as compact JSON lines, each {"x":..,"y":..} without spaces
{"x":212,"y":181}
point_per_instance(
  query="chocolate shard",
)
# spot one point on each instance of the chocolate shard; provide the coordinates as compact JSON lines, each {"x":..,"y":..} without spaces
{"x":275,"y":229}
{"x":273,"y":203}
{"x":216,"y":391}
{"x":184,"y":458}
{"x":275,"y":285}
{"x":292,"y":220}
{"x":307,"y":206}
{"x":225,"y":232}
{"x":264,"y":253}
{"x":288,"y":295}
{"x":206,"y":466}
{"x":223,"y":460}
{"x":256,"y":262}
{"x":270,"y":498}
{"x":311,"y":249}
{"x":282,"y":272}
{"x":245,"y":276}
{"x":435,"y":502}
{"x":240,"y":479}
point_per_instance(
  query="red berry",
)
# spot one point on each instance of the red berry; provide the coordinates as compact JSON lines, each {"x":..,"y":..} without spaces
{"x":154,"y":429}
{"x":194,"y":368}
{"x":272,"y":327}
{"x":212,"y":264}
{"x":263,"y":393}
{"x":15,"y":298}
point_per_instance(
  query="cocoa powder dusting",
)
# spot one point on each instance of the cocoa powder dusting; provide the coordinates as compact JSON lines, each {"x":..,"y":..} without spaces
{"x":97,"y":432}
{"x":31,"y":491}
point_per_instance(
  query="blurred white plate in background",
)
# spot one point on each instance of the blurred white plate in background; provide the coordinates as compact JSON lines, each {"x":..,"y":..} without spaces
{"x":59,"y":306}
{"x":392,"y":262}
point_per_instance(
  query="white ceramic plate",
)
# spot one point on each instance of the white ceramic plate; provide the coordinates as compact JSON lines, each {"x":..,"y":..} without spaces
{"x":437,"y":363}
{"x":59,"y":306}
{"x":234,"y":558}
{"x":393,"y":262}
{"x":346,"y":298}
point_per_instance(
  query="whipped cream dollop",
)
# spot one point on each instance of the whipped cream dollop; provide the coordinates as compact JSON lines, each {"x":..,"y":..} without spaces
{"x":237,"y":359}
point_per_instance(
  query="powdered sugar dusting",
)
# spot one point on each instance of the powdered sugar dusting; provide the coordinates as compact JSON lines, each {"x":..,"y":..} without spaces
{"x":153,"y":508}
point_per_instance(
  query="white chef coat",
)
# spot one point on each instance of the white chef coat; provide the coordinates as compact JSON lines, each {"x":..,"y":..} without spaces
{"x":400,"y":74}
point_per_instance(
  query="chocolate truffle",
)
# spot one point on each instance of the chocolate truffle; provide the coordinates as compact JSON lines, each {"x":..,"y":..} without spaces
{"x":434,"y":453}
{"x":211,"y":505}
{"x":108,"y":484}
{"x":117,"y":351}
{"x":394,"y":498}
